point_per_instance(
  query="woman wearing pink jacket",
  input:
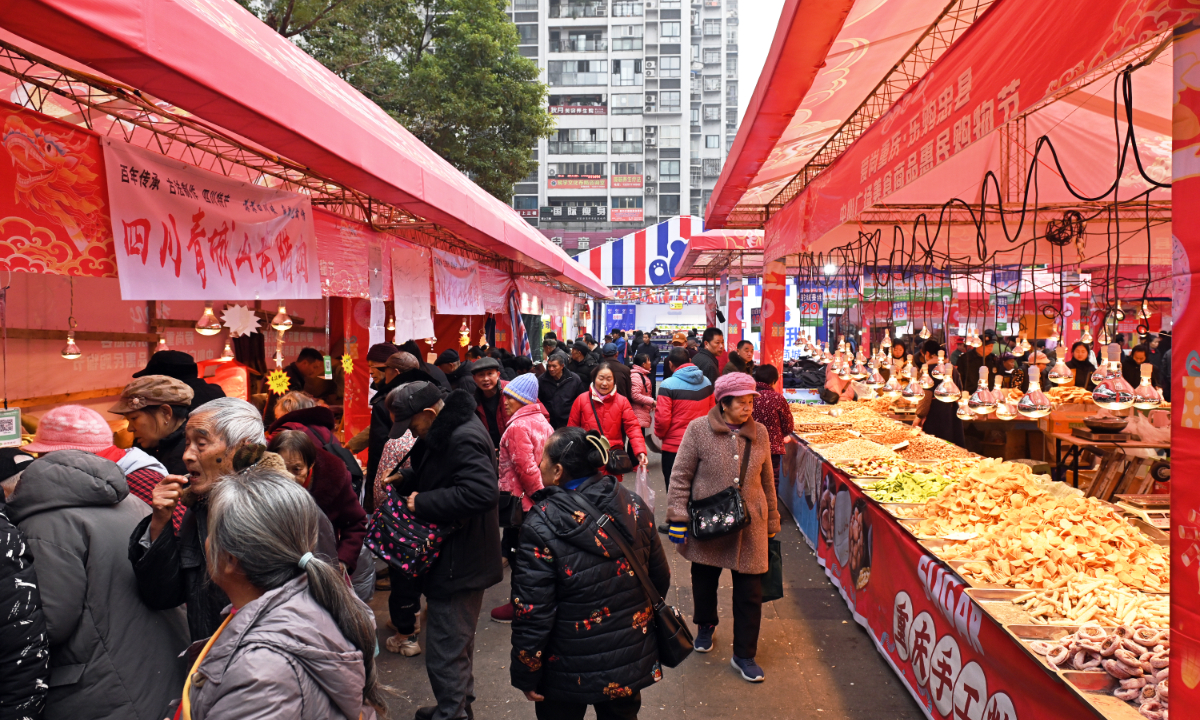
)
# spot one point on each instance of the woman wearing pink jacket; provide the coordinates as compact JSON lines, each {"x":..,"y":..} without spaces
{"x":520,"y":452}
{"x":642,"y":390}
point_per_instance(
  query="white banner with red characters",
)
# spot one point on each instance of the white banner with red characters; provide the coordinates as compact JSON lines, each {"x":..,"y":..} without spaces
{"x":182,"y":233}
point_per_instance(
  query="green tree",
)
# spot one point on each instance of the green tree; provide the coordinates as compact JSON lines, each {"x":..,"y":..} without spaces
{"x":448,"y":70}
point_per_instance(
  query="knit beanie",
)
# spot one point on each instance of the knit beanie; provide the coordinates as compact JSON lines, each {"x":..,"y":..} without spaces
{"x":523,"y":388}
{"x":71,"y":427}
{"x":735,"y":384}
{"x":380,"y":352}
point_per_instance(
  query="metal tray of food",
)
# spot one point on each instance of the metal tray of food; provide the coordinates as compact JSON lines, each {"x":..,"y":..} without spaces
{"x":1097,"y":688}
{"x":902,"y":511}
{"x":1156,"y":535}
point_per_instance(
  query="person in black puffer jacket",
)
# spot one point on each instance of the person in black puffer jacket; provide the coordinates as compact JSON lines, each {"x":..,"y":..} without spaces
{"x":24,"y":644}
{"x":583,"y":628}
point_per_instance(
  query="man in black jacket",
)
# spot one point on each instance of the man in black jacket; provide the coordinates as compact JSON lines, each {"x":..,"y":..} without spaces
{"x":581,"y":361}
{"x":706,"y":357}
{"x":974,"y":358}
{"x":433,"y":371}
{"x":453,"y":480}
{"x":383,"y":381}
{"x":557,"y":389}
{"x":24,"y":644}
{"x":182,"y":367}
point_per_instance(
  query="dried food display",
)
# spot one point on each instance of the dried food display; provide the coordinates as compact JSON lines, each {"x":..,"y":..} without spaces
{"x":909,"y":486}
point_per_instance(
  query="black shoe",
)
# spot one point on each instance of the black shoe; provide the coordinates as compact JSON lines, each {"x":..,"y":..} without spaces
{"x":426,"y":713}
{"x":664,"y":528}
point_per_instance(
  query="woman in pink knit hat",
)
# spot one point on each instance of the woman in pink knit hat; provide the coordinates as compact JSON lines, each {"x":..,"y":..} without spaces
{"x":74,"y":427}
{"x":724,"y":448}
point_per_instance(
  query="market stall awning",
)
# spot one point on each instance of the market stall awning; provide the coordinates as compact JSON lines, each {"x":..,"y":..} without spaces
{"x":713,"y":251}
{"x":235,"y":72}
{"x":645,"y":257}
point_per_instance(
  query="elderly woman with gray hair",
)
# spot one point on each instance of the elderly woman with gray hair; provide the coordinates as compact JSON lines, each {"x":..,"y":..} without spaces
{"x":169,"y":564}
{"x":296,"y":642}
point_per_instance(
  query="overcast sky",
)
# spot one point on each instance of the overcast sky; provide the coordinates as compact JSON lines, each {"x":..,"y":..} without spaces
{"x":757,"y":20}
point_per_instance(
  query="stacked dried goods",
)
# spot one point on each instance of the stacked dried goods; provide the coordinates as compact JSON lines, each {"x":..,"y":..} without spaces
{"x":832,"y":436}
{"x":856,"y":449}
{"x":876,"y":466}
{"x":1101,"y":600}
{"x":927,"y":447}
{"x":1069,"y":394}
{"x":909,"y":486}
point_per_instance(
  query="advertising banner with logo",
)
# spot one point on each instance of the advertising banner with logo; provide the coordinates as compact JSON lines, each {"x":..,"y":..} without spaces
{"x":183,"y":233}
{"x":626,"y":181}
{"x":626,"y":214}
{"x":955,"y":659}
{"x":567,"y":183}
{"x":54,"y":201}
{"x":808,"y":303}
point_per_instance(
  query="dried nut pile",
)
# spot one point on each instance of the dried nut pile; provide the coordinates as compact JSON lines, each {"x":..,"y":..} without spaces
{"x":1029,"y":538}
{"x":1101,"y":600}
{"x":927,"y":447}
{"x":1138,"y":657}
{"x":831,"y":436}
{"x":814,"y":427}
{"x":908,"y":486}
{"x":1071,"y":394}
{"x":876,"y":467}
{"x":856,"y":449}
{"x":896,"y":434}
{"x":956,"y":467}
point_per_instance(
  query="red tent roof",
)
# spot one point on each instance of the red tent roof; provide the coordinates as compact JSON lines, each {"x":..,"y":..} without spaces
{"x":217,"y":61}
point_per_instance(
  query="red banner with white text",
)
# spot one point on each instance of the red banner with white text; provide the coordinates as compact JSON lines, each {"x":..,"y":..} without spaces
{"x":956,"y":661}
{"x":1017,"y":54}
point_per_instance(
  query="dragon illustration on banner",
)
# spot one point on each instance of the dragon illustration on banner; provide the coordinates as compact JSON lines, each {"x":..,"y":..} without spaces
{"x":55,"y":219}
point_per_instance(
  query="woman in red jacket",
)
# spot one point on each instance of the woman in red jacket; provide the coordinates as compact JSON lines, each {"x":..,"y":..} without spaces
{"x":613,"y":412}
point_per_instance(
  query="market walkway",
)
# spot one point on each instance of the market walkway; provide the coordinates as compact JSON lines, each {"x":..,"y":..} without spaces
{"x":819,"y":662}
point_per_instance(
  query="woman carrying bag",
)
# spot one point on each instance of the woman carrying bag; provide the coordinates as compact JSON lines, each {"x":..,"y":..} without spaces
{"x":604,"y":409}
{"x":723,"y":472}
{"x":584,"y":630}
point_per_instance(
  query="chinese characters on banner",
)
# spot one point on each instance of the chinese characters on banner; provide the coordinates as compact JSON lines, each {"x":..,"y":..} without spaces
{"x":411,"y":293}
{"x":182,"y":233}
{"x":342,"y":257}
{"x":456,"y":285}
{"x":956,"y":661}
{"x":53,"y":199}
{"x":774,"y":313}
{"x":1014,"y":57}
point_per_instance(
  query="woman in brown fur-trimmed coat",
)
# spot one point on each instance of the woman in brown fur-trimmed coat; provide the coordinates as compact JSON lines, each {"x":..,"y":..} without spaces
{"x":709,"y":461}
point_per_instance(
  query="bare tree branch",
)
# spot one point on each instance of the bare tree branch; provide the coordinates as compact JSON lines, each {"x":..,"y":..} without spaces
{"x":316,"y":19}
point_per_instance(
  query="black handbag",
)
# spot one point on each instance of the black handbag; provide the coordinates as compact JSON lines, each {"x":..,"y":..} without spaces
{"x":674,"y":639}
{"x":512,"y":513}
{"x":723,"y":513}
{"x":619,"y":461}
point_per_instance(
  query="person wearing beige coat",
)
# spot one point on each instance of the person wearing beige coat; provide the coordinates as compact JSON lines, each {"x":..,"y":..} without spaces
{"x":709,"y":461}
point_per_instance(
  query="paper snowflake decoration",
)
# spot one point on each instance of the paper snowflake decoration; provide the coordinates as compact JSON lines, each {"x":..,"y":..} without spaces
{"x":240,"y":320}
{"x":347,"y":364}
{"x":278,"y":382}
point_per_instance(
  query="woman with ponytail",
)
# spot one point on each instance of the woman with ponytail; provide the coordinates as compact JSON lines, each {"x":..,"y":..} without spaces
{"x":582,"y":632}
{"x":296,"y":643}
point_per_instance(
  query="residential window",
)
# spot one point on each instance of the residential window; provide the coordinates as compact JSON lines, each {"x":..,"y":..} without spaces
{"x":696,"y":147}
{"x":712,"y":27}
{"x":627,"y":201}
{"x":527,"y":34}
{"x":695,"y":53}
{"x":712,"y":167}
{"x":668,"y":205}
{"x":626,"y":104}
{"x":577,"y":72}
{"x":668,"y":171}
{"x":525,"y":202}
{"x":627,"y":72}
{"x":712,"y":141}
{"x":729,"y":143}
{"x":695,"y":176}
{"x":627,"y":9}
{"x":671,"y":100}
{"x":712,"y":56}
{"x":731,"y":66}
{"x":731,"y":118}
{"x":627,"y":168}
{"x":712,"y":84}
{"x":669,"y":66}
{"x":626,"y":140}
{"x":695,"y":116}
{"x":671,"y":29}
{"x":578,"y":41}
{"x":731,"y":94}
{"x":627,"y":37}
{"x":669,"y":136}
{"x":584,"y":169}
{"x":731,"y":35}
{"x":580,"y":141}
{"x":712,"y":112}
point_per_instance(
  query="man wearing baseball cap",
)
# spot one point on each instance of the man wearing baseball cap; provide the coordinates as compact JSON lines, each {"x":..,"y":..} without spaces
{"x":157,"y":408}
{"x":453,"y":479}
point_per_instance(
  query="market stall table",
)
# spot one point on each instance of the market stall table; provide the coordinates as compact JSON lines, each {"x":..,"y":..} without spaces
{"x":1076,"y":445}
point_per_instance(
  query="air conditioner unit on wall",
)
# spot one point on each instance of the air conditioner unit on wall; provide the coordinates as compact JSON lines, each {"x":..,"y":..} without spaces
{"x":649,"y":4}
{"x":651,"y":141}
{"x":649,"y":177}
{"x":651,"y":64}
{"x":650,"y":73}
{"x":649,"y":190}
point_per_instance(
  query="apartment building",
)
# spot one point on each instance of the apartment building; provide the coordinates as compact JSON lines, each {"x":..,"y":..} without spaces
{"x":645,"y":93}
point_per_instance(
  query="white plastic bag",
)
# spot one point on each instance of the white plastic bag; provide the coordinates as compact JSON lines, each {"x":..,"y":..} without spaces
{"x":641,"y":486}
{"x":1141,"y":426}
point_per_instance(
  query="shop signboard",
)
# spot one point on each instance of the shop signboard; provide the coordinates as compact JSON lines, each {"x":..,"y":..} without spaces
{"x":578,"y":110}
{"x":626,"y":215}
{"x":577,"y":183}
{"x":955,"y":660}
{"x":574,"y":213}
{"x":627,"y":181}
{"x":190,"y":234}
{"x":528,"y":213}
{"x":900,"y":313}
{"x":808,"y":306}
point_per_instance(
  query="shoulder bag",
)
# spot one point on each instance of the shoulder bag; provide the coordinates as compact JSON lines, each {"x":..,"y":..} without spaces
{"x":619,"y":461}
{"x":399,"y":538}
{"x":723,"y":513}
{"x":674,"y":639}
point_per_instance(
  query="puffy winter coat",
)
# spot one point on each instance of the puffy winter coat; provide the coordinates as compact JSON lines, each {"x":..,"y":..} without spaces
{"x":281,"y":656}
{"x":330,"y":487}
{"x":557,"y":396}
{"x":381,"y":424}
{"x":316,"y":422}
{"x":708,"y":460}
{"x":617,"y":420}
{"x":708,"y":364}
{"x":454,"y":475}
{"x":501,"y":411}
{"x":521,"y":451}
{"x":111,"y":656}
{"x":621,"y":376}
{"x":24,"y":645}
{"x":772,"y":412}
{"x":682,"y":398}
{"x":582,"y":630}
{"x":643,"y":395}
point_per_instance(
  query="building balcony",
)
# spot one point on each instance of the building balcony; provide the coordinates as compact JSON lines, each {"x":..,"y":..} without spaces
{"x":626,"y":148}
{"x":577,"y":79}
{"x":565,"y":147}
{"x":562,"y":46}
{"x":579,"y":10}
